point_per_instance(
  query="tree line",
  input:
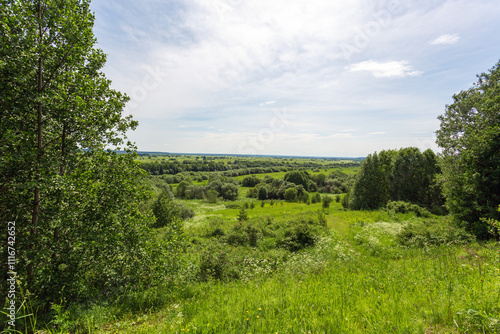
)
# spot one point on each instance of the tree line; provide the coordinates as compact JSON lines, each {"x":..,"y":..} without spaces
{"x":234,"y":168}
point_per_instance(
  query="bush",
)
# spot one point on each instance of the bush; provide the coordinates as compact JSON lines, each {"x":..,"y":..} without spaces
{"x":418,"y":233}
{"x":243,"y":234}
{"x":405,"y":207}
{"x":253,"y":193}
{"x":229,"y":191}
{"x":184,"y":211}
{"x":326,"y":200}
{"x":301,"y":233}
{"x":215,"y":264}
{"x":297,"y":237}
{"x":166,"y":211}
{"x":250,"y":181}
{"x":291,"y":194}
{"x":211,"y":196}
{"x":345,"y":201}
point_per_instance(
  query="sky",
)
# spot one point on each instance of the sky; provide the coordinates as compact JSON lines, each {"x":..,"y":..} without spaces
{"x":326,"y":78}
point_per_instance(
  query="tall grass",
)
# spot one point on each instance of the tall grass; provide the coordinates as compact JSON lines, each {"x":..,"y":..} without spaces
{"x":433,"y":291}
{"x":356,"y":279}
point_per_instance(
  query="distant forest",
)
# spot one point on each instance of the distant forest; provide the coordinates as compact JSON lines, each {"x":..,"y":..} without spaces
{"x":235,"y":167}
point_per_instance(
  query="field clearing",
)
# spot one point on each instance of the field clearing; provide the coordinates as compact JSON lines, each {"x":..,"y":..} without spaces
{"x":342,"y":285}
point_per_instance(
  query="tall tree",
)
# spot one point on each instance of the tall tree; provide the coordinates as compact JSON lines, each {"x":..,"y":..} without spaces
{"x":74,"y":200}
{"x":469,"y":136}
{"x":370,"y":191}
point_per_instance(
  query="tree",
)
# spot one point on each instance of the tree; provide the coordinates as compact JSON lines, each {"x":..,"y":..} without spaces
{"x":298,"y":177}
{"x":229,"y":191}
{"x":74,"y":199}
{"x":180,"y":191}
{"x":371,"y":189}
{"x":469,"y":136}
{"x":412,"y":177}
{"x":291,"y":194}
{"x":398,"y":175}
{"x":166,"y":212}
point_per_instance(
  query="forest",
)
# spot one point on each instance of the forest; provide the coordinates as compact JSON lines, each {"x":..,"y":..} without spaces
{"x":97,"y":238}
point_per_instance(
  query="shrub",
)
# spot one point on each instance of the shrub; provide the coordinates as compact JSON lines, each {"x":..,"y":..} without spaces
{"x":253,"y":193}
{"x":166,"y":212}
{"x":418,"y":233}
{"x":185,"y":212}
{"x":297,"y":237}
{"x":326,"y":200}
{"x":345,"y":201}
{"x":214,"y":263}
{"x":298,"y":234}
{"x":291,"y":194}
{"x":242,"y":215}
{"x":211,"y":196}
{"x":405,"y":207}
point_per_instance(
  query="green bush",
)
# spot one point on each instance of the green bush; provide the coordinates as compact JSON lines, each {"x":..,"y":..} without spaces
{"x":431,"y":232}
{"x":405,"y":207}
{"x":184,"y":211}
{"x":298,"y":234}
{"x":215,"y":264}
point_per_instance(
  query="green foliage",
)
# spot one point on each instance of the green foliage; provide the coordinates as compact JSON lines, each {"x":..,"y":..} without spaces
{"x":371,"y":188}
{"x":214,"y":263}
{"x":298,"y":177}
{"x":253,"y":193}
{"x":494,"y":226}
{"x":166,"y":212}
{"x":326,"y":200}
{"x":250,"y":181}
{"x":405,"y":207}
{"x":243,"y":234}
{"x":229,"y":191}
{"x":316,"y":198}
{"x":291,"y":194}
{"x":243,"y":215}
{"x":430,"y":232}
{"x":211,"y":196}
{"x":403,"y":175}
{"x":180,"y":191}
{"x":74,"y":199}
{"x":262,"y":194}
{"x":300,"y":233}
{"x":345,"y":201}
{"x":469,"y":136}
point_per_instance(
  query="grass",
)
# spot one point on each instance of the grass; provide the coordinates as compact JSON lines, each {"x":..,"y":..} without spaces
{"x":356,"y":279}
{"x":442,"y":294}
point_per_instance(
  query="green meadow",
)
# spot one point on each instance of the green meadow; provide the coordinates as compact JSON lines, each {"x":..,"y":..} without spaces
{"x":356,"y":278}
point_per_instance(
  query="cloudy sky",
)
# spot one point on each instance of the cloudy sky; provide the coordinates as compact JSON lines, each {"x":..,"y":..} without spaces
{"x":328,"y":78}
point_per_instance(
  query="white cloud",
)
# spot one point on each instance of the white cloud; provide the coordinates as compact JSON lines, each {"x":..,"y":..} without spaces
{"x":193,"y":68}
{"x":387,"y":69}
{"x":446,"y":39}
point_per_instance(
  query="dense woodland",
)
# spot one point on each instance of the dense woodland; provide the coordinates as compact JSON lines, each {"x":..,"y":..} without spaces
{"x":236,"y":167}
{"x":106,"y":241}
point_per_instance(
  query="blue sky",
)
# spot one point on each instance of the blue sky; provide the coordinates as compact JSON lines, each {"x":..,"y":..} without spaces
{"x":293,"y":77}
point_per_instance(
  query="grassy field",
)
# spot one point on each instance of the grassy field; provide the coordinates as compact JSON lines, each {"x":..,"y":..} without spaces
{"x":356,"y":279}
